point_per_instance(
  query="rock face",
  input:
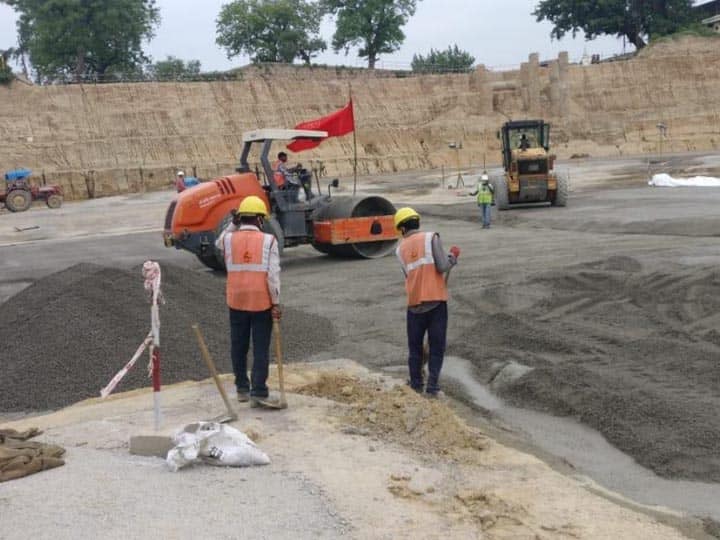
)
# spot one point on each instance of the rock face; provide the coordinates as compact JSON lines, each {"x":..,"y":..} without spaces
{"x":115,"y":138}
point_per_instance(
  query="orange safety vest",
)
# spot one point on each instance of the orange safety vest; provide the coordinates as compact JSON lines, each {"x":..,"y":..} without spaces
{"x":247,"y":260}
{"x":279,"y":176}
{"x":423,"y":283}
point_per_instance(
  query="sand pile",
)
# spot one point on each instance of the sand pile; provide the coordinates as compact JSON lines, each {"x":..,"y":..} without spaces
{"x":630,"y":353}
{"x":397,"y":414}
{"x":65,"y":336}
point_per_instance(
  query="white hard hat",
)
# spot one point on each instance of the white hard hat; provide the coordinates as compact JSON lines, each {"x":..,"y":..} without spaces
{"x":180,"y":173}
{"x":484,"y":177}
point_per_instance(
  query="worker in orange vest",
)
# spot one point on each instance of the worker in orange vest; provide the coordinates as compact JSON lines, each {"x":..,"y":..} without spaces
{"x":424,"y":263}
{"x":252,"y":261}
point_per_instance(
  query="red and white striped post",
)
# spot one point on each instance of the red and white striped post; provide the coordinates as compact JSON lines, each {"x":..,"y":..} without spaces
{"x":151,"y":273}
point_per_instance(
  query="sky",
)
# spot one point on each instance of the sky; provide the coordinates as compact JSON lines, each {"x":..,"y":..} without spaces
{"x":498,"y":33}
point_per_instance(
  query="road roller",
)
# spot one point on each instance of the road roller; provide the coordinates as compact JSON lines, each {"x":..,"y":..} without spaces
{"x":342,"y":226}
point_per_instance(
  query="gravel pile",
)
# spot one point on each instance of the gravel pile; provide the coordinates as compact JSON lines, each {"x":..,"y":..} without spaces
{"x":64,"y":337}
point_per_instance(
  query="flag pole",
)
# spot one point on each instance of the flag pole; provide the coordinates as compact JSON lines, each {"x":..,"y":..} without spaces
{"x":354,"y":141}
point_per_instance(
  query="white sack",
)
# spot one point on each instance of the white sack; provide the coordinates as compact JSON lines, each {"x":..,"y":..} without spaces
{"x":215,"y":444}
{"x":665,"y":180}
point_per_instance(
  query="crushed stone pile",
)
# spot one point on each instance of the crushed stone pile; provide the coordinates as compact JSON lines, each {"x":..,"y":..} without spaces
{"x":65,"y":336}
{"x":398,"y":414}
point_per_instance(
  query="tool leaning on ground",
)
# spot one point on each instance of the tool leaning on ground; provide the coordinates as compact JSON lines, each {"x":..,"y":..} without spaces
{"x":279,"y":359}
{"x":270,"y":403}
{"x":231,"y":415}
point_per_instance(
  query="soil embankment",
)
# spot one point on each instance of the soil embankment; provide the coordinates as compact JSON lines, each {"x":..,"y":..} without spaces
{"x":115,"y":138}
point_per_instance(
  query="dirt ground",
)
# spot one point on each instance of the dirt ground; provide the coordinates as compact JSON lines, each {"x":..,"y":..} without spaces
{"x":606,"y":308}
{"x":354,"y":456}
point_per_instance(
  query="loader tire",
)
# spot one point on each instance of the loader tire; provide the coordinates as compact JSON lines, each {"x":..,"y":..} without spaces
{"x":501,"y":193}
{"x":18,"y":200}
{"x":561,"y":196}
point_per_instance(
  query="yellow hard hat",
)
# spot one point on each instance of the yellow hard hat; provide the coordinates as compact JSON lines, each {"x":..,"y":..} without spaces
{"x":404,"y":214}
{"x":252,"y":206}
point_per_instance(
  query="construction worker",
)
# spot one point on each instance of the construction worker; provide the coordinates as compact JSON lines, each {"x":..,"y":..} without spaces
{"x":252,"y":261}
{"x":288,"y":177}
{"x":485,"y":193}
{"x":424,"y":263}
{"x":180,"y":181}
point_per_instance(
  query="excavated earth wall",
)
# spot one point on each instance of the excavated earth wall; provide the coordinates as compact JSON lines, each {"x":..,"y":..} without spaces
{"x":114,"y":138}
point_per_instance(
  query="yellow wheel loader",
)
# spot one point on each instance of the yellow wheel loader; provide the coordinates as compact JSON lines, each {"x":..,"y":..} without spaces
{"x":529,"y":176}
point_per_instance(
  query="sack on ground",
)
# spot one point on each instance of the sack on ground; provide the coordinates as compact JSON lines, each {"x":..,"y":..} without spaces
{"x":215,"y":444}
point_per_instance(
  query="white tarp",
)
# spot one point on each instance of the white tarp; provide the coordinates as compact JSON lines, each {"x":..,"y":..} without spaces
{"x":215,"y":444}
{"x":665,"y":180}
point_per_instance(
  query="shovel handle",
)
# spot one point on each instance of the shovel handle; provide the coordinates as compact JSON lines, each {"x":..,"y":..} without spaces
{"x":211,"y":366}
{"x":279,"y":359}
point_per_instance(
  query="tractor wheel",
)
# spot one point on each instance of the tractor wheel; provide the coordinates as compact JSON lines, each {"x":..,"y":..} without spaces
{"x":561,"y":196}
{"x":54,"y":201}
{"x":272,"y":226}
{"x":211,"y":260}
{"x":18,"y":200}
{"x":501,"y":193}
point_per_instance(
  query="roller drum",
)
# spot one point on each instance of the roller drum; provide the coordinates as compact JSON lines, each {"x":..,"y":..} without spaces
{"x":352,"y":207}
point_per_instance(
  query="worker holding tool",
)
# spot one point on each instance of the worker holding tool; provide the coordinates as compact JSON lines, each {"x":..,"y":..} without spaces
{"x":252,"y":261}
{"x":424,"y":263}
{"x":485,"y":194}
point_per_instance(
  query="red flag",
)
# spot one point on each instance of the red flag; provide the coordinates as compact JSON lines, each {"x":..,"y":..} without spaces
{"x":336,"y":124}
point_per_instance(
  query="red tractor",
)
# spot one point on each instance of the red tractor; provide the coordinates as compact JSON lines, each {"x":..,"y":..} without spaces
{"x":19,"y":193}
{"x":343,"y":226}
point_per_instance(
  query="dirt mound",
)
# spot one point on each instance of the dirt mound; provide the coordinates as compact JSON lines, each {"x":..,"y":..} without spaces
{"x":65,"y":336}
{"x":397,"y":414}
{"x":632,"y":354}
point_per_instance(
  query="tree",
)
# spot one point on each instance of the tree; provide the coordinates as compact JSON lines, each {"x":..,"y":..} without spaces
{"x":637,"y":20}
{"x":84,"y":38}
{"x":374,"y":25}
{"x":174,"y":68}
{"x":451,"y":60}
{"x":6,"y":74}
{"x":271,"y":30}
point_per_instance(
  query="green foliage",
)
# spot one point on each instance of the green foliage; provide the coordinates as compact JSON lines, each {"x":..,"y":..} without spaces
{"x":271,"y":30}
{"x":452,"y":60}
{"x":173,"y":69}
{"x":373,"y":25}
{"x":693,"y":30}
{"x":6,"y":74}
{"x":634,"y":19}
{"x":84,"y":38}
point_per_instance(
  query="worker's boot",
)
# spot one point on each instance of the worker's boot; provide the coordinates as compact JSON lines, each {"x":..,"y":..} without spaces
{"x":266,"y":403}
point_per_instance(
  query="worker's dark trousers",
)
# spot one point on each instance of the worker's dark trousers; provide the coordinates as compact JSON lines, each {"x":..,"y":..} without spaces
{"x":434,"y":322}
{"x":243,"y":324}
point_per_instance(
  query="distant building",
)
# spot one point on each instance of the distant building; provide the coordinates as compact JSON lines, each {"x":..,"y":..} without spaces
{"x":710,"y":13}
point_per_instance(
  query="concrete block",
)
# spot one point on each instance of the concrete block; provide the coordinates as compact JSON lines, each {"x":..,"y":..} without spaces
{"x":151,"y":445}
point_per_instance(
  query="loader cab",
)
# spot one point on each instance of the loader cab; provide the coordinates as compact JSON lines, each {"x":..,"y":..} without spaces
{"x":522,"y":136}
